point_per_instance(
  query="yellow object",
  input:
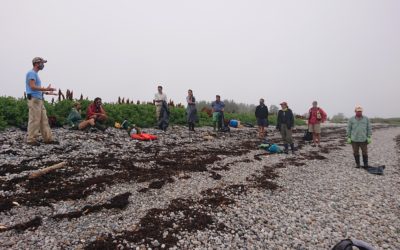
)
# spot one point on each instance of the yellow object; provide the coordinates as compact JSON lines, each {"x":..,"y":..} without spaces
{"x":117,"y":125}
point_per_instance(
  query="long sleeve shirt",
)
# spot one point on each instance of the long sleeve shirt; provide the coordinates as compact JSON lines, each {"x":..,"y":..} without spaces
{"x":359,"y":129}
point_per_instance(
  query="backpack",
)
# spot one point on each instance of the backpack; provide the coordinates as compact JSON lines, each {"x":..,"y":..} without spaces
{"x":274,"y":149}
{"x":308,"y":136}
{"x":348,"y":245}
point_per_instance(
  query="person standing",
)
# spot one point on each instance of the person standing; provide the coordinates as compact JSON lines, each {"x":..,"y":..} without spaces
{"x":316,"y":116}
{"x":359,"y":135}
{"x":38,"y":122}
{"x":218,"y":112}
{"x":285,"y":124}
{"x":191,"y":110}
{"x":159,"y":98}
{"x":262,"y":118}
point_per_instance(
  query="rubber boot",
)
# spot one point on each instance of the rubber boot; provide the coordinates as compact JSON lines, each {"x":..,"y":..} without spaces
{"x":357,"y":158}
{"x":292,"y":148}
{"x":286,"y":151}
{"x":365,"y":160}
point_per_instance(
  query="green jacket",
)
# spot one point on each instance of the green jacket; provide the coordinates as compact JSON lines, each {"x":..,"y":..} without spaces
{"x":74,"y":117}
{"x":359,"y":130}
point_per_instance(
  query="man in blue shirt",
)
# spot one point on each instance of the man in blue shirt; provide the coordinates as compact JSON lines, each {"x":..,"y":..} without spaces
{"x":217,"y":109}
{"x":38,"y":122}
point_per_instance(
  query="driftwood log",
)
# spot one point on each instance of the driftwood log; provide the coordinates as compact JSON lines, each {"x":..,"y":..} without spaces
{"x":46,"y":170}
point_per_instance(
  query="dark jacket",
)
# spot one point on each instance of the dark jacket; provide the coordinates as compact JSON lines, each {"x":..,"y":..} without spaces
{"x":285,"y":117}
{"x":262,"y":112}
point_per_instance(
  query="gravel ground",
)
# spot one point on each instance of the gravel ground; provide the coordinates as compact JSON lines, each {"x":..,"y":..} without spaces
{"x":217,"y":192}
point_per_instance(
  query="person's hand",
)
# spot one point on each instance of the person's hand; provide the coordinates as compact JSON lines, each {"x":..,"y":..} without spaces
{"x":369,"y":140}
{"x":349,"y":140}
{"x":49,"y":88}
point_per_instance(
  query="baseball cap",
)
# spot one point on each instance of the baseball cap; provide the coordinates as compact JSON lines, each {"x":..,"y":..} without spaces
{"x":359,"y":109}
{"x":38,"y":60}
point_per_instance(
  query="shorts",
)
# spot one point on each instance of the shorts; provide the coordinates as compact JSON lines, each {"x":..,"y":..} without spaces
{"x":314,"y":128}
{"x":262,"y":122}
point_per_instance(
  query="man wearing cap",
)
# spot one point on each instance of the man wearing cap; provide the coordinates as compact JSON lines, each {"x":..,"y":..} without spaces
{"x":38,"y":121}
{"x":359,"y":135}
{"x":285,"y":124}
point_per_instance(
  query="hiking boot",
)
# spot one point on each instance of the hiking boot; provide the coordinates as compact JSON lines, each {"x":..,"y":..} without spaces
{"x":92,"y":129}
{"x":286,"y":150}
{"x":357,"y":159}
{"x":53,"y":142}
{"x":292,"y":148}
{"x":33,"y":143}
{"x":365,"y":160}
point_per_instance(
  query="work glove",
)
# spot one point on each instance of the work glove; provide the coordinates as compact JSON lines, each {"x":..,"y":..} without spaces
{"x":369,"y":140}
{"x":348,"y":140}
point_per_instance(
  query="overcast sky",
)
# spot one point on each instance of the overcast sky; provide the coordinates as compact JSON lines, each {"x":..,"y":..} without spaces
{"x":341,"y":52}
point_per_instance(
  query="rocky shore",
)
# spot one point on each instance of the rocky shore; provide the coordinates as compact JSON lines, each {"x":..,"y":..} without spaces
{"x":207,"y":191}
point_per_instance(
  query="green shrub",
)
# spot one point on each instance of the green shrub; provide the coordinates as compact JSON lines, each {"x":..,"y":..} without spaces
{"x":14,"y":112}
{"x":3,"y":123}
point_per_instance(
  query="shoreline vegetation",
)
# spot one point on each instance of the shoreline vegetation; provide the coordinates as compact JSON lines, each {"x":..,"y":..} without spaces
{"x":14,"y":112}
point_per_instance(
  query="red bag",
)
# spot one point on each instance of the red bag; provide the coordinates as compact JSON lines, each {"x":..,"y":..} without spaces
{"x":144,"y":137}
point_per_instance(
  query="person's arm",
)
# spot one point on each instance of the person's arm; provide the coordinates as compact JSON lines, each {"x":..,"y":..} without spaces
{"x":90,"y":112}
{"x":324,"y":115}
{"x":349,"y":127}
{"x":291,"y":119}
{"x":278,"y":120}
{"x":33,"y":86}
{"x":156,"y":100}
{"x":256,"y":112}
{"x":369,"y":130}
{"x":266,"y":113}
{"x":102,"y":111}
{"x":189,"y":100}
{"x":71,"y":116}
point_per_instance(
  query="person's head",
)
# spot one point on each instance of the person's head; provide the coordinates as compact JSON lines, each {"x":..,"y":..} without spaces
{"x":359,"y":111}
{"x":190,"y":92}
{"x":97,"y":101}
{"x":284,"y":105}
{"x":77,"y":105}
{"x":315,"y":104}
{"x":261,"y":101}
{"x":38,"y":63}
{"x":218,"y":98}
{"x":159,"y":89}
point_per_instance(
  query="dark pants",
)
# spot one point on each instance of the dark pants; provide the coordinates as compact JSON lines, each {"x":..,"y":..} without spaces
{"x":356,"y":148}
